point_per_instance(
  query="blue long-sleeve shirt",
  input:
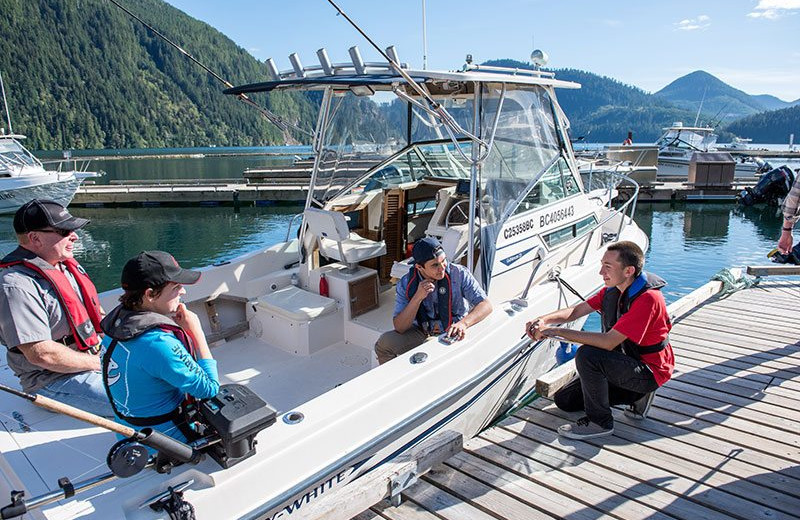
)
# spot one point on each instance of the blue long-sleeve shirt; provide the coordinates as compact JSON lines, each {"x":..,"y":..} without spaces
{"x":149,"y":375}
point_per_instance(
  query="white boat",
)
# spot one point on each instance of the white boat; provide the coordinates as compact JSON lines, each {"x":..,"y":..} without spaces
{"x":737,"y":144}
{"x":23,"y":177}
{"x":679,"y":143}
{"x":506,"y":199}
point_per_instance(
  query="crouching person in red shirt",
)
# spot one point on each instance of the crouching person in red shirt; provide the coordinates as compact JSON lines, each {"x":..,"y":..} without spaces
{"x":626,"y":362}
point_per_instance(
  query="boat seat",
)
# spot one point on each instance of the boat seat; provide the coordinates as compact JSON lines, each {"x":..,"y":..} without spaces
{"x":296,"y":304}
{"x":337,"y":242}
{"x":454,"y":243}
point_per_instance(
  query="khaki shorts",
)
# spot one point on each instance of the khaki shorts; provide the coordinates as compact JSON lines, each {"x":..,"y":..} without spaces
{"x":392,"y":343}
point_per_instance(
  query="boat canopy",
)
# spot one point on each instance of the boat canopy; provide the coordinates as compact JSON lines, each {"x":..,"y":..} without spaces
{"x":14,"y":156}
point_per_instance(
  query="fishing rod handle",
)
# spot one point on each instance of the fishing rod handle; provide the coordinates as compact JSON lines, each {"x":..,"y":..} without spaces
{"x":77,"y":413}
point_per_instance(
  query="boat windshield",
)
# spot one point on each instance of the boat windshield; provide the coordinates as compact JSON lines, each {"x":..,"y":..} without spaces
{"x":686,"y":139}
{"x":526,"y":143}
{"x":14,"y":156}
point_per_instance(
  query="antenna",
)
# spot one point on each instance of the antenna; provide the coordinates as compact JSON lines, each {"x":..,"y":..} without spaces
{"x":701,"y":106}
{"x":424,"y":39}
{"x":5,"y":104}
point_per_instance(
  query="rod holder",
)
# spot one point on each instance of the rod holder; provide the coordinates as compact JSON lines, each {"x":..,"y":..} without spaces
{"x":392,"y":53}
{"x":358,"y":62}
{"x":296,"y":65}
{"x":325,"y":62}
{"x":272,"y":70}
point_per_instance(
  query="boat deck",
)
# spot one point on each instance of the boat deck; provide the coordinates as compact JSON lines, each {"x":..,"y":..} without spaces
{"x":722,"y":439}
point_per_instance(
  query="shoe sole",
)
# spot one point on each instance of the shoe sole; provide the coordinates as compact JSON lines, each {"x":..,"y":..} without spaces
{"x":581,"y":436}
{"x":630,"y":413}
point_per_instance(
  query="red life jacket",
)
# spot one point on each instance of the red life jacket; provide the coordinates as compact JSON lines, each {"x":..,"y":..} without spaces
{"x":83,"y":317}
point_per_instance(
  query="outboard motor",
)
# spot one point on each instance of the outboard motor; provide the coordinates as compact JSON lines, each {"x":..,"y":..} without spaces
{"x":771,"y":187}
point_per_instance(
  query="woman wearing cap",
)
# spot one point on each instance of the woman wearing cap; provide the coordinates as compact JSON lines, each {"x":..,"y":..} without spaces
{"x":157,"y":353}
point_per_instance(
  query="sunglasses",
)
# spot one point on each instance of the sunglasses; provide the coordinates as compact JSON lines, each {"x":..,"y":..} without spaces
{"x":62,"y":232}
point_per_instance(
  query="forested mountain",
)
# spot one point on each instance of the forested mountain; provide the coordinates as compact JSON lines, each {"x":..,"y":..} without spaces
{"x":773,"y":103}
{"x":720,"y":101}
{"x":604,"y":109}
{"x":769,"y":127}
{"x":82,"y":74}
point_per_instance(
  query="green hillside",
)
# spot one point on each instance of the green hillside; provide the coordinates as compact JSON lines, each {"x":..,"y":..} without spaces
{"x":769,"y":127}
{"x":719,"y":100}
{"x":82,"y":74}
{"x":604,"y":109}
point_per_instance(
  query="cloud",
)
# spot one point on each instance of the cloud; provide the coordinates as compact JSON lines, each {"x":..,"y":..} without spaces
{"x":774,"y":9}
{"x":693,"y":24}
{"x":612,"y":23}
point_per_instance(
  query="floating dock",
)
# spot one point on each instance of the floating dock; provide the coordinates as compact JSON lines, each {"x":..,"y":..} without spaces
{"x":722,"y":440}
{"x":187,"y":192}
{"x":233,"y":192}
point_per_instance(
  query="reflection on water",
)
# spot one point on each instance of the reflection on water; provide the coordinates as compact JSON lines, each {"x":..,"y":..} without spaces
{"x":688,"y":243}
{"x":197,"y":237}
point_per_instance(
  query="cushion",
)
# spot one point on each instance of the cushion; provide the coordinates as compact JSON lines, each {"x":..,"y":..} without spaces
{"x":296,"y":304}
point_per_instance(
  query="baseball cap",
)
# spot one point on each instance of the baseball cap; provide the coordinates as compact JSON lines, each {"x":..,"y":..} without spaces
{"x":426,"y":249}
{"x":40,"y":214}
{"x":154,"y":268}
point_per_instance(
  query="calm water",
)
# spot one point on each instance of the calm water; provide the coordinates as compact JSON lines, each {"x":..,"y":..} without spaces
{"x":689,"y":243}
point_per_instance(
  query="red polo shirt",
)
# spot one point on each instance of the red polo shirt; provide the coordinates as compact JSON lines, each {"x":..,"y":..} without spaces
{"x":646,"y":323}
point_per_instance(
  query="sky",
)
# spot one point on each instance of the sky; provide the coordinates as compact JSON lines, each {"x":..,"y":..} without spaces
{"x":753,"y":45}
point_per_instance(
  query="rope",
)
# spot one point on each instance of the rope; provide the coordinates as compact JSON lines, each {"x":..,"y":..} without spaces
{"x":731,"y":284}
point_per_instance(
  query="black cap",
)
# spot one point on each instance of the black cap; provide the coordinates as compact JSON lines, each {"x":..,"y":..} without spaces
{"x":426,"y":249}
{"x":41,"y":214}
{"x":155,"y":268}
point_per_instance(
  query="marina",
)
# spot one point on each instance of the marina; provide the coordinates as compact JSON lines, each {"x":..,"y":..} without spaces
{"x":356,"y":288}
{"x":235,"y":192}
{"x":721,"y":440}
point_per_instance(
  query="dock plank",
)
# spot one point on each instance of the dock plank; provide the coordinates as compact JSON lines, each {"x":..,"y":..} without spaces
{"x":721,"y":441}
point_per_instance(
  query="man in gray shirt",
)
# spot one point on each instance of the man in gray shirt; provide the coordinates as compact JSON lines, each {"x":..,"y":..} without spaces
{"x":49,"y":312}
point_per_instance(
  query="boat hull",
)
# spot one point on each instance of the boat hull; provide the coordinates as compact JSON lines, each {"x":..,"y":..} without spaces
{"x":676,"y":167}
{"x":17,"y":191}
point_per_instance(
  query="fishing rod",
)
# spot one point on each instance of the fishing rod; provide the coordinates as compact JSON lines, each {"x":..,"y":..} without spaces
{"x":126,"y":458}
{"x":273,"y":118}
{"x":230,"y":421}
{"x":435,"y":106}
{"x":5,"y":104}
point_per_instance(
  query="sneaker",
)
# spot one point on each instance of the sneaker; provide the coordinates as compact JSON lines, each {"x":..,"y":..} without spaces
{"x":584,"y":429}
{"x":639,"y":409}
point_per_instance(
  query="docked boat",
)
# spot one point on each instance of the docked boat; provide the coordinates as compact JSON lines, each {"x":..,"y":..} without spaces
{"x":23,"y":177}
{"x":680,"y":143}
{"x":486,"y":166}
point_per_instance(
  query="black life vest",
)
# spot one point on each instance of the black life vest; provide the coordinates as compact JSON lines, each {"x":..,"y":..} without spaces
{"x":444,"y":304}
{"x":614,"y":305}
{"x":122,"y":325}
{"x":84,"y":316}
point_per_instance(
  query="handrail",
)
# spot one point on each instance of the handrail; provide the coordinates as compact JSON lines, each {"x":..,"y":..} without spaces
{"x":291,"y":221}
{"x":621,"y":212}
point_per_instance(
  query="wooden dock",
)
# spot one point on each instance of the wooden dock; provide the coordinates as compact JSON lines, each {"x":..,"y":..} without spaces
{"x":722,"y":440}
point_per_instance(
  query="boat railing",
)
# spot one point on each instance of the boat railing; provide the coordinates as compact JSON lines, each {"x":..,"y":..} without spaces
{"x":613,"y":179}
{"x":625,"y":213}
{"x":291,"y":223}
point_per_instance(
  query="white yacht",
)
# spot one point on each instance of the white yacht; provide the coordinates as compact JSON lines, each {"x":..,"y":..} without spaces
{"x":679,"y":143}
{"x":23,"y":177}
{"x":485,"y":165}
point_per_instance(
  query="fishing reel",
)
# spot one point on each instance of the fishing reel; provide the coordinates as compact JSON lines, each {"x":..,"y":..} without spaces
{"x":229,"y":423}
